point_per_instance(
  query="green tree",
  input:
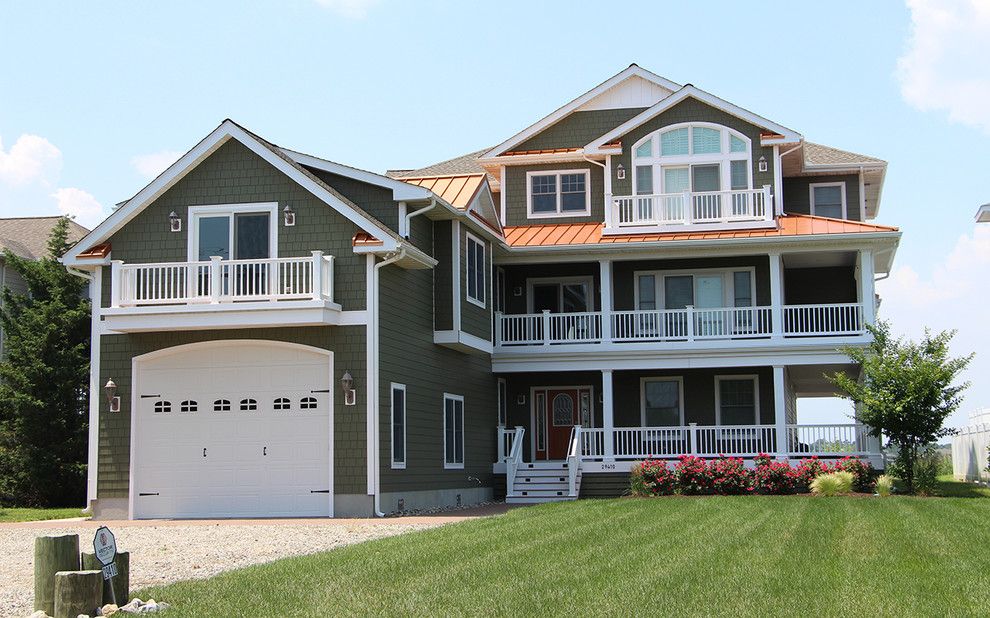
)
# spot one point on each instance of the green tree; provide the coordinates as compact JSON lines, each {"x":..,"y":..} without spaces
{"x":44,"y":379}
{"x":906,"y":392}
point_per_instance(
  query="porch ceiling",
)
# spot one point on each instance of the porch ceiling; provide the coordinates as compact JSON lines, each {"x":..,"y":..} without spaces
{"x":810,"y":380}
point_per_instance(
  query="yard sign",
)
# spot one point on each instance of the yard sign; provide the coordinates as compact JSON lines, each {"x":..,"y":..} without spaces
{"x":105,"y":547}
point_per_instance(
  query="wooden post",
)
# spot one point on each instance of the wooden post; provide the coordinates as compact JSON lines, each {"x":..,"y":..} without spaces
{"x":77,"y":592}
{"x":51,"y":555}
{"x":121,"y":582}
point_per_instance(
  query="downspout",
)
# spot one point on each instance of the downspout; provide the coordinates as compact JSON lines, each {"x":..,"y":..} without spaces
{"x":373,"y":332}
{"x":430,"y":206}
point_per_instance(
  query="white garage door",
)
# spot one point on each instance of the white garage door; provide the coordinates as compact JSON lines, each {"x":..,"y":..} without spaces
{"x":232,"y":429}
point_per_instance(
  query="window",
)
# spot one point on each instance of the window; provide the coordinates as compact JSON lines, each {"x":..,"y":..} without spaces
{"x":539,"y":409}
{"x":702,"y":289}
{"x":563,"y":410}
{"x":282,"y":403}
{"x":828,"y":199}
{"x":249,"y":405}
{"x":564,"y":193}
{"x":453,"y":431}
{"x":163,"y":406}
{"x":500,"y":289}
{"x":693,"y":157}
{"x":737,"y":400}
{"x":240,"y":232}
{"x":307,"y":403}
{"x":221,"y":405}
{"x":188,"y":406}
{"x":399,"y":426}
{"x":475,"y":270}
{"x":503,"y":402}
{"x":560,"y":294}
{"x":662,"y":402}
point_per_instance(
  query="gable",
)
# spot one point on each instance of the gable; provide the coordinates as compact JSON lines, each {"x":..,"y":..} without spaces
{"x":375,"y":200}
{"x":578,"y":129}
{"x":633,"y":92}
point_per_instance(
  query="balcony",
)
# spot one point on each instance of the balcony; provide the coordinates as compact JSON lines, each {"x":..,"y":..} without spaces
{"x":678,"y":325}
{"x":220,"y":293}
{"x":691,"y":210}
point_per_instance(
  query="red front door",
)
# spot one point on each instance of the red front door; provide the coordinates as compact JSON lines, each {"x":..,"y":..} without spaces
{"x":556,"y":415}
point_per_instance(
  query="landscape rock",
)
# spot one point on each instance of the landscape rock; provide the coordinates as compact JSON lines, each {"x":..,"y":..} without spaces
{"x":109,"y":609}
{"x":39,"y":614}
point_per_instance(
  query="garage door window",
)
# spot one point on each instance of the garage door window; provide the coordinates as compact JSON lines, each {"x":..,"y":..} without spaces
{"x":163,"y":406}
{"x":398,"y":426}
{"x":453,"y":431}
{"x":221,"y":405}
{"x":188,"y":406}
{"x":307,"y":403}
{"x":282,"y":404}
{"x":249,"y":405}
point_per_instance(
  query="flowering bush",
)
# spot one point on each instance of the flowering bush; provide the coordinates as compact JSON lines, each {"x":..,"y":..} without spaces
{"x":774,"y":477}
{"x":692,"y":475}
{"x":652,"y":478}
{"x":808,"y":469}
{"x":863,"y":473}
{"x":728,"y":475}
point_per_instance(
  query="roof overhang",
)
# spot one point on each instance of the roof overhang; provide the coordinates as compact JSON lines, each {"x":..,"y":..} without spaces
{"x":401,"y":191}
{"x":983,"y":214}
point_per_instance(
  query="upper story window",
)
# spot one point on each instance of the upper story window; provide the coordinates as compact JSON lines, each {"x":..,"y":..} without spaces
{"x":558,"y":193}
{"x":237,"y":231}
{"x":828,"y":199}
{"x":476,"y":285}
{"x":696,"y":157}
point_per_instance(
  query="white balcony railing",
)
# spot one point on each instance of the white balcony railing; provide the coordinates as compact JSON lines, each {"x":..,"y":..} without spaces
{"x":637,"y":443}
{"x":692,"y":208}
{"x":689,"y":324}
{"x":222,"y":281}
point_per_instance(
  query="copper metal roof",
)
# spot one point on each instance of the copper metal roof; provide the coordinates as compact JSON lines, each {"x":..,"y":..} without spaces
{"x":458,"y":191}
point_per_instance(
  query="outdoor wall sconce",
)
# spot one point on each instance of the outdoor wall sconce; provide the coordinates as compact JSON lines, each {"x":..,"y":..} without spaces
{"x":347,"y":384}
{"x":174,"y":222}
{"x":762,"y":165}
{"x":288,"y":216}
{"x":112,"y":399}
{"x":521,"y":399}
{"x":620,"y":172}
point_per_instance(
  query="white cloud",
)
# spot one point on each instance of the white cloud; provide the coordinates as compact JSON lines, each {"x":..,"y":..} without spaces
{"x":945,"y":65}
{"x":352,"y":9}
{"x":80,"y":205}
{"x":953,"y":297}
{"x":151,"y":165}
{"x":30,"y":159}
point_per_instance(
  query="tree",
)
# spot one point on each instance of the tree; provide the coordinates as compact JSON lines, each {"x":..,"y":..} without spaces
{"x":44,"y":380}
{"x":906,"y":392}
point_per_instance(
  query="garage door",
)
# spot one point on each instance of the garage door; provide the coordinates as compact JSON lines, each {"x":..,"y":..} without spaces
{"x":232,"y":429}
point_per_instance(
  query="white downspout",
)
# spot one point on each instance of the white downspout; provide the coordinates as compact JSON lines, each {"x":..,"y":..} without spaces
{"x":373,"y":377}
{"x":406,"y":231}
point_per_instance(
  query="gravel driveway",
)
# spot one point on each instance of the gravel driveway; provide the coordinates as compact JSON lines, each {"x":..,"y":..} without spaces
{"x":207,"y":548}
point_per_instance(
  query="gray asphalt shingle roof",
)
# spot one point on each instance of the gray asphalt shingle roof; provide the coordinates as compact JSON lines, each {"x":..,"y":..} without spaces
{"x":464,"y":164}
{"x":27,"y":237}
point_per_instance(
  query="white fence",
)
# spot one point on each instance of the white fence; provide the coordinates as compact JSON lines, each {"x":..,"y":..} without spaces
{"x":969,"y":453}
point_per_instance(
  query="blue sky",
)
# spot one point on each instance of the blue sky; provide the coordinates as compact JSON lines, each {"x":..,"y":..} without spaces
{"x":95,"y":98}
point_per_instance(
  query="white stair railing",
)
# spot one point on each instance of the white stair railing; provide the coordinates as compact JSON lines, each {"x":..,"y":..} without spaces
{"x":513,"y":459}
{"x":573,"y":461}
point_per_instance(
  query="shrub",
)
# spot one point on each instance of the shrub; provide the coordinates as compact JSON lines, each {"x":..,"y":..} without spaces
{"x":808,"y":469}
{"x":885,"y":485}
{"x":833,"y":484}
{"x":728,"y":475}
{"x":774,"y":477}
{"x":862,"y":472}
{"x":692,"y":475}
{"x":652,"y":478}
{"x":926,"y":471}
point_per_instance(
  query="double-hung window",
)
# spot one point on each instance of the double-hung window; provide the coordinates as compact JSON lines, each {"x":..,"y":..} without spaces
{"x":564,"y":193}
{"x":828,"y":199}
{"x":737,"y":400}
{"x":476,"y":280}
{"x":453,"y":431}
{"x":398,"y":426}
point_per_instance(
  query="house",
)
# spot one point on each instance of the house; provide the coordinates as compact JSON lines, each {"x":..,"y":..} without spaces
{"x":27,"y":237}
{"x":650,"y":270}
{"x":983,"y":214}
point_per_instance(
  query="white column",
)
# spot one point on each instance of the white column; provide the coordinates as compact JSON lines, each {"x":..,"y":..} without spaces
{"x":605,"y":271}
{"x":776,"y":297}
{"x":317,"y":283}
{"x":95,"y":388}
{"x":780,"y":410}
{"x":867,"y":295}
{"x":608,"y":419}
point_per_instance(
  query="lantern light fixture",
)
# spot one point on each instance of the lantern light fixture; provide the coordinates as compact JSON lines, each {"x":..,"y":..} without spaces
{"x":347,"y":385}
{"x":174,"y":222}
{"x":762,"y":164}
{"x":620,"y":172}
{"x":288,"y":216}
{"x":111,"y":392}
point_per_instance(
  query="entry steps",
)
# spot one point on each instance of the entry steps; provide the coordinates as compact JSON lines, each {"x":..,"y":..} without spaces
{"x":542,"y":481}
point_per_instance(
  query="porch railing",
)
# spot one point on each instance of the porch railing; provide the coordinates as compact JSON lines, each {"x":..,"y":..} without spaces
{"x":222,"y":281}
{"x":846,"y":439}
{"x":688,"y":324}
{"x":513,"y":458}
{"x":692,"y":207}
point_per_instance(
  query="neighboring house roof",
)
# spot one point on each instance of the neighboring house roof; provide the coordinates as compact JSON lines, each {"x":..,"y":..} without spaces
{"x":983,"y":214}
{"x":458,"y":191}
{"x":27,"y":237}
{"x":819,"y":154}
{"x":570,"y":234}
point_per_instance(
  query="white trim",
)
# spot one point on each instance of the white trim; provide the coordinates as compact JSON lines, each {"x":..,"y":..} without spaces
{"x":560,"y":282}
{"x":95,"y":387}
{"x":642,"y":395}
{"x":178,"y":349}
{"x":811,"y":196}
{"x":395,"y":386}
{"x":195,"y":213}
{"x":401,"y":191}
{"x":237,"y":315}
{"x":446,"y":465}
{"x":460,"y":340}
{"x":371,"y":366}
{"x":483,"y":300}
{"x":595,"y":147}
{"x":501,"y":195}
{"x":756,"y":394}
{"x":728,"y":283}
{"x":532,"y":412}
{"x":566,"y":109}
{"x":455,"y":274}
{"x":559,"y":213}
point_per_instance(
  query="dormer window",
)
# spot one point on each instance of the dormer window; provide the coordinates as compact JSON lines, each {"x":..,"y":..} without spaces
{"x":697,"y":157}
{"x":558,"y":193}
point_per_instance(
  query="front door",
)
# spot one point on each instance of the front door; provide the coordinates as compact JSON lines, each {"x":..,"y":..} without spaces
{"x":556,"y":412}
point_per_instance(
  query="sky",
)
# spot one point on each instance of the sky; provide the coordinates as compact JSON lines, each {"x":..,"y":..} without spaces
{"x":97,"y":98}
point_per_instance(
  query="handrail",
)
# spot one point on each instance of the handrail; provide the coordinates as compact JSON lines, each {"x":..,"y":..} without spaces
{"x":514,"y":459}
{"x":573,"y":461}
{"x":692,"y":207}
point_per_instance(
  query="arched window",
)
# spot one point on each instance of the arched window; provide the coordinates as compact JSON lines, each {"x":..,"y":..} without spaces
{"x":188,"y":406}
{"x":281,"y":403}
{"x":221,"y":405}
{"x":163,"y":406}
{"x":307,"y":403}
{"x":249,"y":405}
{"x":563,"y":410}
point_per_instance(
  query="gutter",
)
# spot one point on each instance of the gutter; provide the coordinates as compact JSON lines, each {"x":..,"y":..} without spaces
{"x":408,"y":219}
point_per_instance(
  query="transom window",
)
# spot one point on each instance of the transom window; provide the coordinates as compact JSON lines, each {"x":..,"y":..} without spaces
{"x":828,"y":199}
{"x":564,"y":193}
{"x":476,"y":280}
{"x":737,"y":400}
{"x":697,"y":157}
{"x":453,"y":431}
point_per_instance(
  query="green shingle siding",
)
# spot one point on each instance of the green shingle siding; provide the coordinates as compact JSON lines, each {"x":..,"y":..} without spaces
{"x":578,"y":129}
{"x":797,"y":194}
{"x":516,"y":190}
{"x":476,"y":320}
{"x":443,"y":300}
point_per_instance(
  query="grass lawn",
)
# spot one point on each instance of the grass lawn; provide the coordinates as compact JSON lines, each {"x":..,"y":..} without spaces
{"x":738,"y":556}
{"x":7,"y":515}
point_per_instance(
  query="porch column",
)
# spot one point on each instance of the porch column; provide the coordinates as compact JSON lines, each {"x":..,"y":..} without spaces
{"x":605,"y":269}
{"x":776,"y":297}
{"x":608,"y":421}
{"x":867,"y":296}
{"x":780,"y":410}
